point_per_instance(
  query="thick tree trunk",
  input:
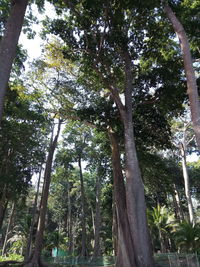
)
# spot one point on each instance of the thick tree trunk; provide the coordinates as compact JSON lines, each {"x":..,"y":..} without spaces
{"x":97,"y":219}
{"x":189,"y":71}
{"x":8,"y":228}
{"x":30,"y":238}
{"x":83,"y":215}
{"x":187,"y":185}
{"x":136,"y":207}
{"x":135,"y":198}
{"x":126,"y":256}
{"x":8,"y":45}
{"x":35,"y":258}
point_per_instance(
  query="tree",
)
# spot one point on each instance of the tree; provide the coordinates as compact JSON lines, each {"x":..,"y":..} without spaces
{"x":125,"y":256}
{"x":22,"y":142}
{"x":189,"y":70}
{"x":8,"y":45}
{"x":187,"y":237}
{"x":8,"y":228}
{"x":114,"y":70}
{"x":161,"y":219}
{"x":33,"y":215}
{"x":34,"y":260}
{"x":183,"y":138}
{"x":78,"y":138}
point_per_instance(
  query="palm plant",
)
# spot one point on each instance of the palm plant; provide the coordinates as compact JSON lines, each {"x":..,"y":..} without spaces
{"x":161,"y":221}
{"x":187,"y":237}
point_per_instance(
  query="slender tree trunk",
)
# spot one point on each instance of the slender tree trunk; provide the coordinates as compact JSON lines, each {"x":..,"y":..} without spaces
{"x":70,"y":234}
{"x":97,"y":220}
{"x":8,"y":44}
{"x":126,"y":256}
{"x":162,"y":242}
{"x":30,"y":238}
{"x":8,"y":228}
{"x":187,"y":185}
{"x":3,"y":206}
{"x":114,"y":227}
{"x":135,"y":198}
{"x":189,"y":71}
{"x":92,"y":217}
{"x":35,"y":258}
{"x":83,"y":217}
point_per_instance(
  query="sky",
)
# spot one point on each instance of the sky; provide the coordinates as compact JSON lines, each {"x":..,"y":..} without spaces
{"x":33,"y":46}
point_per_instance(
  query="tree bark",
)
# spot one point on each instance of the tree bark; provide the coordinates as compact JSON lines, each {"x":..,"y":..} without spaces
{"x":70,"y":234}
{"x":30,"y":238}
{"x":97,"y":220}
{"x":187,"y":185}
{"x":162,"y":242}
{"x":135,"y":198}
{"x":177,"y":204}
{"x":83,"y":215}
{"x":8,"y":228}
{"x":189,"y":71}
{"x":9,"y":43}
{"x":35,"y":258}
{"x":114,"y":227}
{"x":126,"y":256}
{"x":3,"y":206}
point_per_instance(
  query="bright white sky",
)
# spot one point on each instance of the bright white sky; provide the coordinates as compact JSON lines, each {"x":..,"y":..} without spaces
{"x":33,"y":46}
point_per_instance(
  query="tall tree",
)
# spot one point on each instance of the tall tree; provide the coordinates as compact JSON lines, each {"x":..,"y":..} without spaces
{"x":21,"y":145}
{"x":33,"y":215}
{"x":97,"y":219}
{"x":189,"y":70}
{"x":125,"y":254}
{"x":108,"y":57}
{"x":183,"y":138}
{"x":9,"y":43}
{"x":34,"y":259}
{"x":8,"y":228}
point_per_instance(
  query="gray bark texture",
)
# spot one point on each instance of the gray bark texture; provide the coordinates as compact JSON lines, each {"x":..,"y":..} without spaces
{"x":135,"y":198}
{"x":97,"y":219}
{"x":35,"y":257}
{"x":9,"y":43}
{"x":83,"y":218}
{"x":177,"y":204}
{"x":189,"y":71}
{"x":30,"y":238}
{"x":126,"y":256}
{"x":3,"y":206}
{"x":187,"y":185}
{"x":69,"y":219}
{"x":8,"y":228}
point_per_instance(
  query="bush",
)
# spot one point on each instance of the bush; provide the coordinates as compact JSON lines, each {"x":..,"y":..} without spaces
{"x":12,"y":257}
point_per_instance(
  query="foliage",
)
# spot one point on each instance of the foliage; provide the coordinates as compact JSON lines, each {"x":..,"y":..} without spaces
{"x":22,"y":143}
{"x":12,"y":257}
{"x":74,"y":78}
{"x":161,"y":222}
{"x":187,"y":237}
